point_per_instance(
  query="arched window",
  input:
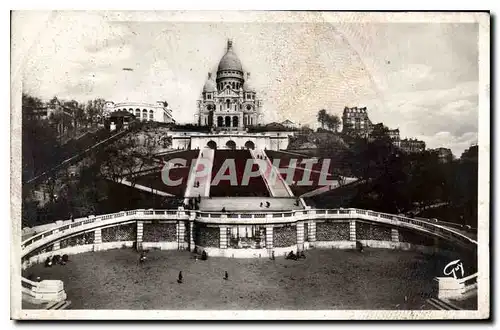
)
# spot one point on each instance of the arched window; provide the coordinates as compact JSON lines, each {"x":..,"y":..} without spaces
{"x":212,"y":145}
{"x":220,"y":121}
{"x":235,"y":121}
{"x":234,"y":85}
{"x":228,"y":121}
{"x":249,"y":145}
{"x":231,"y":144}
{"x":228,"y":104}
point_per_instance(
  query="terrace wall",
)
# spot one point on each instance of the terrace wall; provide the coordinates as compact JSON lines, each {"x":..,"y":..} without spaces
{"x":235,"y":236}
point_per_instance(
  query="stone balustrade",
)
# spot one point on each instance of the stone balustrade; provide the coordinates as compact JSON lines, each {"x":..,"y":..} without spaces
{"x":272,"y":231}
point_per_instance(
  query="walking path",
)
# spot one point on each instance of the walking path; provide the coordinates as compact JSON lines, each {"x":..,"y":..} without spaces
{"x":144,"y":188}
{"x":324,"y":189}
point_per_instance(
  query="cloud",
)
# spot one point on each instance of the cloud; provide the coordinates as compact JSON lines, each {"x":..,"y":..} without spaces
{"x":422,"y":78}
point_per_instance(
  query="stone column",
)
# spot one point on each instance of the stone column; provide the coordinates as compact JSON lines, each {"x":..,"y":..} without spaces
{"x":181,"y":229}
{"x":56,"y":245}
{"x":138,"y":241}
{"x":223,"y":237}
{"x":97,"y":236}
{"x":352,"y":230}
{"x":311,"y":231}
{"x":191,"y":236}
{"x":269,"y":237}
{"x":395,"y":235}
{"x":300,"y":236}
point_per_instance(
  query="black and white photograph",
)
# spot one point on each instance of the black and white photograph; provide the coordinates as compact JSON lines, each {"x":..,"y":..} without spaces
{"x":184,"y":165}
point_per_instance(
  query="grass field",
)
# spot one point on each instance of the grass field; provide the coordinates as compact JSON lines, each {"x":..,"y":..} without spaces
{"x":327,"y":279}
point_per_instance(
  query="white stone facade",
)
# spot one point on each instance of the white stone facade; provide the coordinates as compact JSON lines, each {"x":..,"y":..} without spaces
{"x":158,"y":112}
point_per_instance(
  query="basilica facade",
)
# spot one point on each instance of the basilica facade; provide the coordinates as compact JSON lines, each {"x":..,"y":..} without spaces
{"x":229,"y":102}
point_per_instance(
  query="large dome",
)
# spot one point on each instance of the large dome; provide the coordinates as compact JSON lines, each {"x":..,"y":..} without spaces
{"x":230,"y":61}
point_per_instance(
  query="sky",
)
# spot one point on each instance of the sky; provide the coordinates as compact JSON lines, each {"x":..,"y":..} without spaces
{"x":419,"y":77}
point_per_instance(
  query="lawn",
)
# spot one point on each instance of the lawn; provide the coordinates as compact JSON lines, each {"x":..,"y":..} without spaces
{"x":327,"y":279}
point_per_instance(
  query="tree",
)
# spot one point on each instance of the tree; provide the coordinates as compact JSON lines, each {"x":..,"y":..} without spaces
{"x":322,"y":117}
{"x":94,"y":110}
{"x":333,"y":122}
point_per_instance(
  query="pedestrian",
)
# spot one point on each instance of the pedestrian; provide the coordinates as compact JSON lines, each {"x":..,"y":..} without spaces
{"x":179,"y":279}
{"x":260,"y":204}
{"x":226,"y":276}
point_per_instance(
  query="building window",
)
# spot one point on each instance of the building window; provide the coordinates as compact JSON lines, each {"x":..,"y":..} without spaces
{"x":209,"y":96}
{"x":228,"y":104}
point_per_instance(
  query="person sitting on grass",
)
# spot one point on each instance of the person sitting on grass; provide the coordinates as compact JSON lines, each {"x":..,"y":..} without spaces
{"x":142,"y":258}
{"x":48,"y":262}
{"x":291,"y":256}
{"x":56,"y":259}
{"x":359,"y":246}
{"x":302,"y":255}
{"x":204,"y":255}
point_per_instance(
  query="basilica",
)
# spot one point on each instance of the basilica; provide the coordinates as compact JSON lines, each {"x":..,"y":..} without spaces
{"x":229,"y":102}
{"x":229,"y":108}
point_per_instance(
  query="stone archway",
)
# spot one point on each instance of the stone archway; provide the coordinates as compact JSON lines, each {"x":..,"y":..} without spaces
{"x":249,"y":145}
{"x":212,"y":145}
{"x":231,"y":144}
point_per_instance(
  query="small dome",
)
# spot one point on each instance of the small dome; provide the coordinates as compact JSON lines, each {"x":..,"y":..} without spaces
{"x":210,"y":85}
{"x":247,"y":86}
{"x":230,"y":60}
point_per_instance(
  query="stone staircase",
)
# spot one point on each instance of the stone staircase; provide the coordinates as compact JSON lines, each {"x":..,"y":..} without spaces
{"x":442,"y":304}
{"x":273,"y":179}
{"x":58,"y":305}
{"x":206,"y":156}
